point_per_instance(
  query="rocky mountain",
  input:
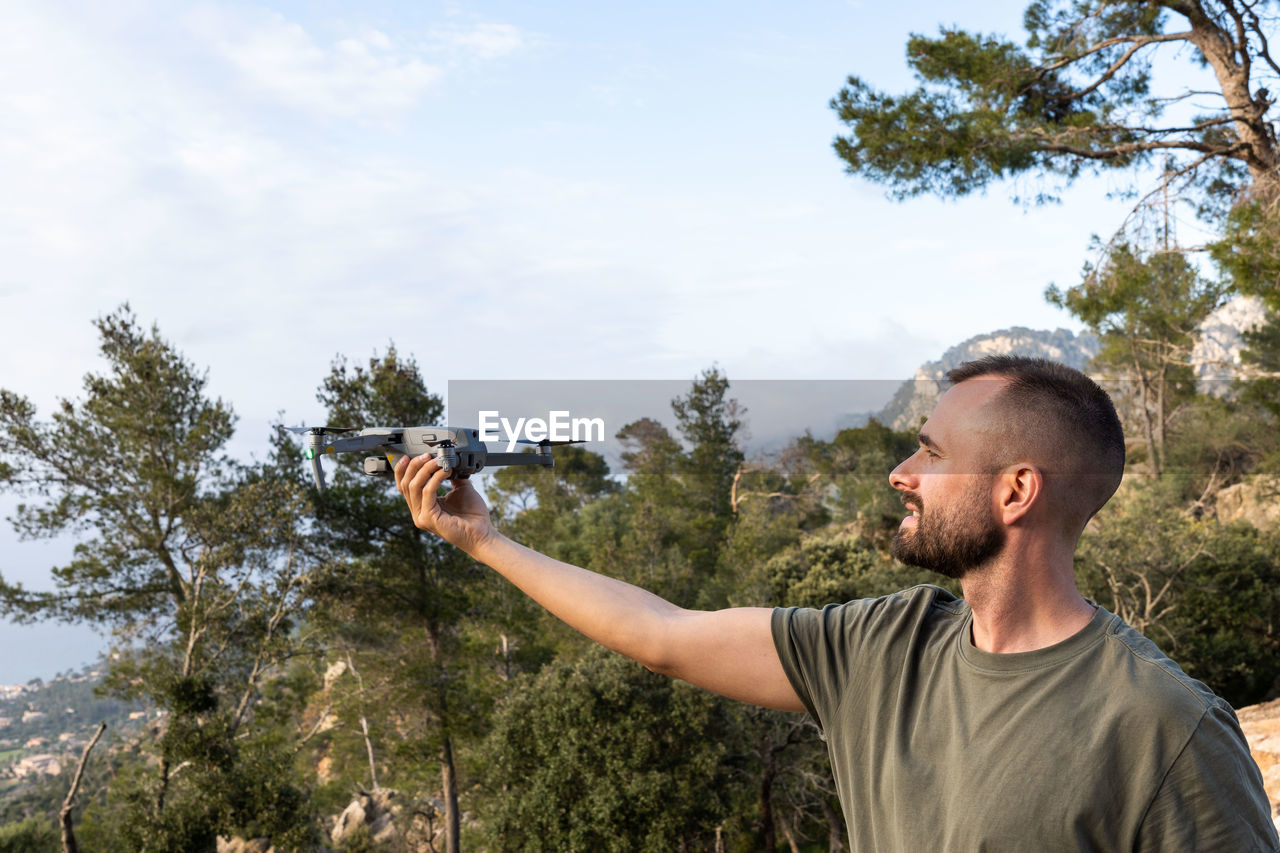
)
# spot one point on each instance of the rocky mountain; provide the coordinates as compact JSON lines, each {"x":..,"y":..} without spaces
{"x":915,"y":398}
{"x":1215,"y":357}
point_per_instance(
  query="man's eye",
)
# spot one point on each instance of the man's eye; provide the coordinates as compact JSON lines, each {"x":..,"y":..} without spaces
{"x":930,"y":453}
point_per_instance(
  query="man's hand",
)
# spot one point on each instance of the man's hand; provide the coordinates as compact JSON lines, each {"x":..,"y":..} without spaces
{"x":460,"y":517}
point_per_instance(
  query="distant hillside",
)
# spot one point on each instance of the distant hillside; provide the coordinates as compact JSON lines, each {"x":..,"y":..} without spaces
{"x":44,"y":727}
{"x":915,"y":398}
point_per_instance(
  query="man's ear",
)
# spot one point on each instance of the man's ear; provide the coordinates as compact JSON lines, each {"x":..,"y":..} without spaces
{"x":1019,"y":488}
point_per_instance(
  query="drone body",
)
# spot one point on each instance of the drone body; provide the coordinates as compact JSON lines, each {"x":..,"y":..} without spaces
{"x":459,"y":449}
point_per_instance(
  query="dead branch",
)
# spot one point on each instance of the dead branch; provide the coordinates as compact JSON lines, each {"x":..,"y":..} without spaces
{"x":364,"y":722}
{"x":315,"y":730}
{"x":69,"y":844}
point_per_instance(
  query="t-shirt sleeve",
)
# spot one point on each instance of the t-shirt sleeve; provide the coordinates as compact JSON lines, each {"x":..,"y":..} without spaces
{"x":814,"y":647}
{"x":1212,"y":797}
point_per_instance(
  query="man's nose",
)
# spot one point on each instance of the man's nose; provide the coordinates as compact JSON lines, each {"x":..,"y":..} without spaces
{"x":901,"y":477}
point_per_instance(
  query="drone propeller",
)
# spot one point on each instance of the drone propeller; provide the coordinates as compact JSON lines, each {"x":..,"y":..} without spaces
{"x":323,"y":430}
{"x":316,"y":446}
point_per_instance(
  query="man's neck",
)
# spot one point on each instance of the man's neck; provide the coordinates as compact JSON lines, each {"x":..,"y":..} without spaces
{"x":1023,"y":602}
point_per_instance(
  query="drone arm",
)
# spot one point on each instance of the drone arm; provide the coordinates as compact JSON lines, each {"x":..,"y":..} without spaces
{"x":317,"y":472}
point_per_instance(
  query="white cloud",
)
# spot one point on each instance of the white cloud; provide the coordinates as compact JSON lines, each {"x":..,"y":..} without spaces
{"x":365,"y":75}
{"x":483,"y":41}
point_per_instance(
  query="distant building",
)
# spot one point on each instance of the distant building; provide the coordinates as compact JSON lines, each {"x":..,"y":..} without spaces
{"x":35,"y":742}
{"x":5,"y":722}
{"x":28,"y":716}
{"x":41,"y":765}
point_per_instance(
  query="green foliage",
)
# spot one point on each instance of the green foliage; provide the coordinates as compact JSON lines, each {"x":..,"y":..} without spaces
{"x":540,"y":507}
{"x":675,"y":511}
{"x":193,"y":561}
{"x":600,"y":754}
{"x":68,"y":704}
{"x":855,"y":466}
{"x":1249,"y":251}
{"x":409,"y":613}
{"x":1262,"y":355}
{"x":1145,"y":311}
{"x":1203,"y":591}
{"x":39,"y":798}
{"x":469,"y":695}
{"x":1225,"y":630}
{"x":359,"y":841}
{"x":1249,"y":255}
{"x":33,"y":835}
{"x":830,"y":568}
{"x":666,"y":530}
{"x":217,"y":787}
{"x":710,"y":423}
{"x":1150,"y":302}
{"x":125,"y":465}
{"x":1077,"y":96}
{"x":1215,"y":442}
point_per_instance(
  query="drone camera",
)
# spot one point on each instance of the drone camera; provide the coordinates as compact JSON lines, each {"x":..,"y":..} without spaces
{"x":377,"y":466}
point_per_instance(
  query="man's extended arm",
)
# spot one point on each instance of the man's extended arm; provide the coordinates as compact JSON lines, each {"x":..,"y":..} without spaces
{"x":729,"y":652}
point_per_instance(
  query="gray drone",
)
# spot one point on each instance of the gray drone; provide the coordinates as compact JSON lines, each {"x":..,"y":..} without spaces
{"x":459,"y":450}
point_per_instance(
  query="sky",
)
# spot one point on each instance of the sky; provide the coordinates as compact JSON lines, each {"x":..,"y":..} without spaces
{"x":503,"y":190}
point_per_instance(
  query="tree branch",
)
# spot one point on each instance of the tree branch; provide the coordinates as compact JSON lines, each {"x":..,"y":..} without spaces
{"x":69,"y":844}
{"x":1110,"y":72}
{"x":1142,"y":147}
{"x":1137,"y":42}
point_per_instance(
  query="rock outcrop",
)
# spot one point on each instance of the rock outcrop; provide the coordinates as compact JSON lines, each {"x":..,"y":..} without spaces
{"x":1256,"y":500}
{"x":1261,"y":725}
{"x":1216,"y":355}
{"x":387,"y":816}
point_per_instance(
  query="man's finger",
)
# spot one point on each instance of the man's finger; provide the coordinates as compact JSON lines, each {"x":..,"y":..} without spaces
{"x":437,"y":480}
{"x":402,"y":466}
{"x":405,"y":481}
{"x":416,"y":476}
{"x":424,"y":483}
{"x":406,"y":468}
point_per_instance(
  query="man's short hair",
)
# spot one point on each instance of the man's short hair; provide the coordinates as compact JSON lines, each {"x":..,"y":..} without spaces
{"x":1059,"y":418}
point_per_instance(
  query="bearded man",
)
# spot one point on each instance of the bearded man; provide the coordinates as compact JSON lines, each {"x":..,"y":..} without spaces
{"x":1019,"y":717}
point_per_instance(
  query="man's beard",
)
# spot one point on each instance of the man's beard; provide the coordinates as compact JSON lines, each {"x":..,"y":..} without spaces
{"x":950,"y":541}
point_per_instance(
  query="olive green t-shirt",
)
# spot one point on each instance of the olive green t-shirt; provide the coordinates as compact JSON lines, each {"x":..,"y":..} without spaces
{"x":1097,"y":743}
